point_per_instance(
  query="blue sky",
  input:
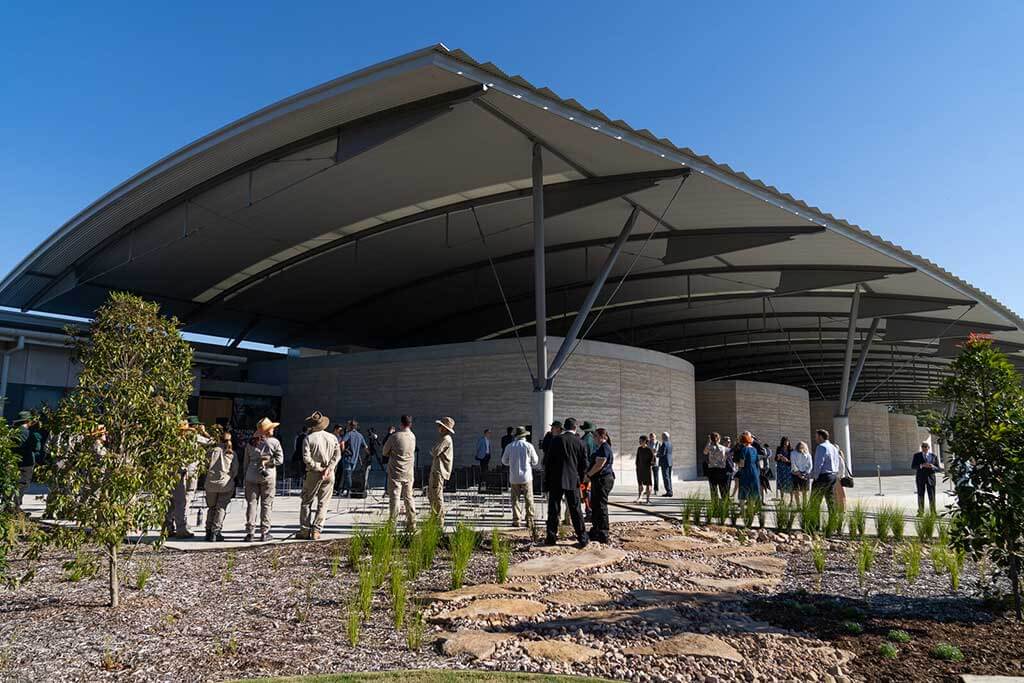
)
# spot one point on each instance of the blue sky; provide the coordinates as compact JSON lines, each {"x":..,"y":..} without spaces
{"x":904,"y":118}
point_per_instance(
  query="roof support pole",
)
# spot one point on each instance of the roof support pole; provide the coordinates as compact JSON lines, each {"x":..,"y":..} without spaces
{"x":865,"y":346}
{"x":544,"y":397}
{"x":595,"y":290}
{"x":841,"y":422}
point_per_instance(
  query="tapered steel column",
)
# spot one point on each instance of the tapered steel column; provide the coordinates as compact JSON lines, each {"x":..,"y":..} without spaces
{"x":543,"y":396}
{"x":865,"y":347}
{"x":844,"y":386}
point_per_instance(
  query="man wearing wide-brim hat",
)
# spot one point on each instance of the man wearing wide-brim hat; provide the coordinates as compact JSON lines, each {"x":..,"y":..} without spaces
{"x":521,"y":457}
{"x":400,"y":454}
{"x":320,"y":454}
{"x":263,"y":455}
{"x":443,"y":455}
{"x":29,"y":447}
{"x":186,"y":484}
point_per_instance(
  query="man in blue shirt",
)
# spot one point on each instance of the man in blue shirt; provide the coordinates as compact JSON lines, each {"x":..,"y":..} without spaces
{"x":825,"y":468}
{"x":665,"y":463}
{"x":483,"y":450}
{"x":353,"y":444}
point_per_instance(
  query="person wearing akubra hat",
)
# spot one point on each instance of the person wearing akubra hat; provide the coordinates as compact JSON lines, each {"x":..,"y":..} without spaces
{"x":263,"y":455}
{"x":442,"y":458}
{"x":320,"y":453}
{"x":521,"y":457}
{"x":29,"y":446}
{"x":176,"y":519}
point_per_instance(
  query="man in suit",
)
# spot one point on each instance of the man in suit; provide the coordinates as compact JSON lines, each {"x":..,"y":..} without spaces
{"x":925,"y":465}
{"x":565,"y":465}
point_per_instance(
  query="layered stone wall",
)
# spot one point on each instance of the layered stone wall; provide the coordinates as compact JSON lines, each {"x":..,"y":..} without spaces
{"x":626,"y":390}
{"x":869,"y":432}
{"x":905,"y":440}
{"x":770,"y":411}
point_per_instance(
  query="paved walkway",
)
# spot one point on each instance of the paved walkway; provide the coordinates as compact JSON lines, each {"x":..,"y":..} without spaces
{"x":482,"y":511}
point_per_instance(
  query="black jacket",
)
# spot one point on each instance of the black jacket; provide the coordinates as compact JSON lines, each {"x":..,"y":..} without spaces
{"x":565,"y":462}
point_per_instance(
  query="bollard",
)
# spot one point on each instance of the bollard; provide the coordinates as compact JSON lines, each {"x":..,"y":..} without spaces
{"x":878,"y":468}
{"x":199,"y":517}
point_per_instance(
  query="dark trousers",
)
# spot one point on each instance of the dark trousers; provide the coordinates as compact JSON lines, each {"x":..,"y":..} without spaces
{"x":600,"y":488}
{"x":344,"y":482}
{"x":925,"y":485}
{"x":572,"y":499}
{"x":654,"y":476}
{"x":718,"y":480}
{"x":825,"y":487}
{"x":484,"y":462}
{"x":666,"y":476}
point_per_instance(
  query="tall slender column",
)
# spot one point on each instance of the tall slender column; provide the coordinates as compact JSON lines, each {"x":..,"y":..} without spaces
{"x":543,"y":396}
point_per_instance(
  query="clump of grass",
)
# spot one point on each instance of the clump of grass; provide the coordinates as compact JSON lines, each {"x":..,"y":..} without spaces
{"x":697,"y":511}
{"x":82,"y":567}
{"x":495,"y":540}
{"x":365,"y":586}
{"x":898,"y":635}
{"x":431,"y":532}
{"x":463,"y":541}
{"x":947,"y":653}
{"x":226,"y":647}
{"x":888,"y":650}
{"x":924,"y":526}
{"x":910,"y":556}
{"x":504,"y":553}
{"x":938,"y":553}
{"x":414,"y":630}
{"x":414,"y":556}
{"x":335,"y":561}
{"x":865,"y":560}
{"x":353,"y":624}
{"x":110,"y":660}
{"x":751,"y":509}
{"x":884,"y":521}
{"x":734,"y":512}
{"x":230,"y":562}
{"x":943,"y":530}
{"x":355,"y":548}
{"x":857,"y":520}
{"x":143,"y":574}
{"x":382,"y":551}
{"x":954,"y":565}
{"x":853,"y":628}
{"x":785,"y":516}
{"x":898,"y":525}
{"x":399,"y":589}
{"x":834,"y":521}
{"x":718,"y":509}
{"x":818,"y":556}
{"x":810,"y":515}
{"x":275,"y":559}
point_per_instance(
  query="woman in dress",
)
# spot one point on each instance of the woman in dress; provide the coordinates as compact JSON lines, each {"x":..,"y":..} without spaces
{"x":644,"y":468}
{"x":800,"y":470}
{"x":783,"y":468}
{"x":749,"y":474}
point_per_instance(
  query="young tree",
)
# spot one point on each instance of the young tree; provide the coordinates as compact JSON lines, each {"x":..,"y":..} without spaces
{"x":14,"y":527}
{"x":985,"y":431}
{"x":117,"y":441}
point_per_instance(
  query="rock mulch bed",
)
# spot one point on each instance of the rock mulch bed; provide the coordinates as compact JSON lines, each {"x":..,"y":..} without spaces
{"x":711,"y":606}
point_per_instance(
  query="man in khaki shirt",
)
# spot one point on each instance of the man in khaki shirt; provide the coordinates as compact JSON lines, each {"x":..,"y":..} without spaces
{"x":320,"y":453}
{"x":220,"y":485}
{"x":441,"y":465}
{"x":400,"y":451}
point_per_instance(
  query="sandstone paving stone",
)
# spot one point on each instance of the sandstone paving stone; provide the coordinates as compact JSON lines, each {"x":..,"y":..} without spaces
{"x":629,"y":576}
{"x":559,"y":650}
{"x":732,"y":585}
{"x":756,"y":549}
{"x":494,"y":607}
{"x":689,"y":644}
{"x":765,"y":565}
{"x":678,"y":565}
{"x":670,"y":597}
{"x":475,"y":643}
{"x":592,"y":557}
{"x":656,"y":545}
{"x":575,"y":596}
{"x":481,"y":589}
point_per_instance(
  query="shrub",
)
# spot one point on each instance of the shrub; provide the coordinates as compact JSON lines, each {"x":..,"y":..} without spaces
{"x":947,"y":653}
{"x":398,"y":596}
{"x":888,"y":650}
{"x":853,"y":628}
{"x":463,"y":541}
{"x":898,"y":635}
{"x":857,"y":518}
{"x":784,"y":516}
{"x":924,"y":526}
{"x":910,"y":556}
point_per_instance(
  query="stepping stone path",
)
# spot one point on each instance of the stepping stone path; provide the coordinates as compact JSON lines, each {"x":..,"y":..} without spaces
{"x":577,"y":597}
{"x":757,"y":549}
{"x":677,"y":565}
{"x":690,"y":644}
{"x":559,"y":650}
{"x":588,"y":558}
{"x":654,"y":545}
{"x":476,"y":644}
{"x":482,"y":589}
{"x":765,"y":565}
{"x":656,"y":597}
{"x":736,"y":584}
{"x":494,"y":607}
{"x":628,"y":576}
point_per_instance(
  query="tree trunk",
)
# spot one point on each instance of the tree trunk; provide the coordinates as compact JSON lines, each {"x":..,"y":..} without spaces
{"x":1015,"y":585}
{"x":115,"y":586}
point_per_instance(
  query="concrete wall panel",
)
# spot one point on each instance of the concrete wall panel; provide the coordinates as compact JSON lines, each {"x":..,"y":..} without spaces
{"x":869,"y":432}
{"x":904,"y":441}
{"x":770,"y":411}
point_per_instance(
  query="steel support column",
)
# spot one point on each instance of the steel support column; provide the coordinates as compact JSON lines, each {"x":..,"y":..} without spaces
{"x":544,"y":398}
{"x":841,"y":422}
{"x":595,"y":290}
{"x":864,"y":348}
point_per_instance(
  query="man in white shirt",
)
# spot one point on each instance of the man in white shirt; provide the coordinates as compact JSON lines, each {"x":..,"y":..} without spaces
{"x":520,"y":456}
{"x":825,"y":469}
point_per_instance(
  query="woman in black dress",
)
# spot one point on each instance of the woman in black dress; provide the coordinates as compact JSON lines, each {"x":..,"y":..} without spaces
{"x":644,"y":469}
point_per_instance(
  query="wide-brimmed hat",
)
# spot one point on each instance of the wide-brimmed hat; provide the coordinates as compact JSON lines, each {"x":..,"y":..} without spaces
{"x":317,"y":421}
{"x":587,"y":426}
{"x":556,"y":423}
{"x":447,"y":422}
{"x":266,"y":424}
{"x":521,"y":432}
{"x":23,"y":417}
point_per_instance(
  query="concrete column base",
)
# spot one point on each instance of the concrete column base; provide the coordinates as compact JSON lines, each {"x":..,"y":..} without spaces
{"x":841,"y":437}
{"x":544,"y":413}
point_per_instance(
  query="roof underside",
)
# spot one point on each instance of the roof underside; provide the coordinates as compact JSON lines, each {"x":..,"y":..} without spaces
{"x":380,"y":210}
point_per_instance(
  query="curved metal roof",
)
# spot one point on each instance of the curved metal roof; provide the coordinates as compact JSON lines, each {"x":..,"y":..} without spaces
{"x":381,"y":209}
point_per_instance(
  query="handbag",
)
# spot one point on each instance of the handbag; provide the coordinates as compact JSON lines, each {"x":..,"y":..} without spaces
{"x":846,"y":481}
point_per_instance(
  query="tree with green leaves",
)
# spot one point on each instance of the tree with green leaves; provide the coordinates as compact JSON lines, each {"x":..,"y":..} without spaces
{"x":985,"y":431}
{"x":15,"y":529}
{"x":117,"y":441}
